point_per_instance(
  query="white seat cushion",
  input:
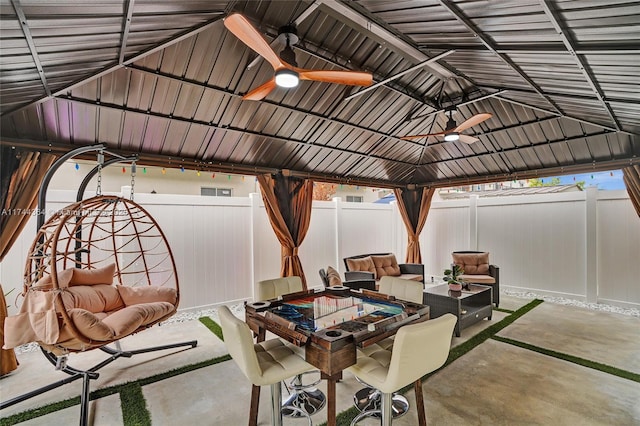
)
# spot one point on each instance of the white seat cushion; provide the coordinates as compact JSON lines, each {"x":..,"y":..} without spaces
{"x":278,"y":361}
{"x":270,"y":289}
{"x":264,"y":363}
{"x":402,"y":289}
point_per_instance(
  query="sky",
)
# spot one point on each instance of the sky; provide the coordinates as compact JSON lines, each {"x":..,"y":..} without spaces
{"x":603,"y":180}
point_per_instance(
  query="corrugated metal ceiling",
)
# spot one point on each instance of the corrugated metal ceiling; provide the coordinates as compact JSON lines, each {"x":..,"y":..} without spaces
{"x":165,"y":80}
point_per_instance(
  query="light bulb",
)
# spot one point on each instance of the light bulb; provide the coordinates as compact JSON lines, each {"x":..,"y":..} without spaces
{"x":287,"y":78}
{"x":450,"y":137}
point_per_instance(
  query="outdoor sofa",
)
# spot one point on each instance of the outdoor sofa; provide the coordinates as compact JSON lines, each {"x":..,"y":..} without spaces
{"x":378,"y":265}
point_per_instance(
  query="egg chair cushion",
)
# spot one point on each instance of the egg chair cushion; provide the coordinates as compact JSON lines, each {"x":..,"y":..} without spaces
{"x":129,"y":319}
{"x":102,"y":275}
{"x":93,"y":298}
{"x":90,"y":325}
{"x":135,"y":295}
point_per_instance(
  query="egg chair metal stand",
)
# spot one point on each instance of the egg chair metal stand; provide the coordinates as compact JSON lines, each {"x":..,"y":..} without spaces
{"x":103,"y":270}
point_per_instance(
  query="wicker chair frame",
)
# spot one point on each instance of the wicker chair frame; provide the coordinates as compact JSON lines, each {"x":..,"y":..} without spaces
{"x":90,"y":234}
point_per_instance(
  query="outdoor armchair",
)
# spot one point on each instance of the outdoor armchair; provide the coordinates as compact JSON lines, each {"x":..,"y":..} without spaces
{"x":478,"y":270}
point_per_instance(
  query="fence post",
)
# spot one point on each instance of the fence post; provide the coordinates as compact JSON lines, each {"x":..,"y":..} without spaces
{"x":473,"y":222}
{"x":591,"y":237}
{"x":254,"y":199}
{"x":337,"y":205}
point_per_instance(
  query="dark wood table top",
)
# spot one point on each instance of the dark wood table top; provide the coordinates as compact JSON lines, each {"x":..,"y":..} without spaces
{"x":331,"y":323}
{"x":334,"y":317}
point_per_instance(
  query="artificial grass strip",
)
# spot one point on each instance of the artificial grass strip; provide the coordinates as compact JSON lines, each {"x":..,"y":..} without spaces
{"x":100,"y":393}
{"x":38,"y":412}
{"x":506,"y":311}
{"x":213,"y":326}
{"x":134,"y":406}
{"x":574,"y":359}
{"x":457,"y":351}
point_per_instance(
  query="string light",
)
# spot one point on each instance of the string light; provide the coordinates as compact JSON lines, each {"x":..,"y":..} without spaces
{"x":229,"y":177}
{"x":164,"y":171}
{"x":213,"y":175}
{"x":198,"y":173}
{"x":144,"y":170}
{"x":182,"y":169}
{"x":77,"y":166}
{"x":124,"y":170}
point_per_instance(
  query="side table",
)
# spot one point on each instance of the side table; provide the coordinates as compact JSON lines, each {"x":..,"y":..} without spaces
{"x":469,"y":306}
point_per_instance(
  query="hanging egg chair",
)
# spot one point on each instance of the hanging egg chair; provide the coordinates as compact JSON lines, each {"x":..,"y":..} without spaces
{"x":98,"y":270}
{"x":106,"y":265}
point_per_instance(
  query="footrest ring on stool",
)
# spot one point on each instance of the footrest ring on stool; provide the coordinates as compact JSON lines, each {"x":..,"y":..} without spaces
{"x":304,"y":398}
{"x":370,"y":399}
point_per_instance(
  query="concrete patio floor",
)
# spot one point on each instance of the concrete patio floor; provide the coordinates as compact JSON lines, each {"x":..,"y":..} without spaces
{"x":496,"y":383}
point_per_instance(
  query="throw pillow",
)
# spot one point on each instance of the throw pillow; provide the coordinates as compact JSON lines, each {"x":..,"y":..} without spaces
{"x":364,"y":264}
{"x":102,"y":275}
{"x":333,"y":277}
{"x":386,"y":265}
{"x":472,"y":263}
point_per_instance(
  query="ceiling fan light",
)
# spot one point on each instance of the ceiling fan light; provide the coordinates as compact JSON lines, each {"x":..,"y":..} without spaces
{"x":287,"y":78}
{"x":451,"y":137}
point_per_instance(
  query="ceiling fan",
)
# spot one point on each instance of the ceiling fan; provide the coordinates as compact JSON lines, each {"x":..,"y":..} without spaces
{"x":452,"y":130}
{"x":287,"y":73}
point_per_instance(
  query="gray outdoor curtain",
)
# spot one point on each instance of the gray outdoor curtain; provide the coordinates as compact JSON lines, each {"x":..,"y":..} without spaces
{"x":288,"y":200}
{"x":414,"y":205}
{"x":20,"y":175}
{"x":631,"y":177}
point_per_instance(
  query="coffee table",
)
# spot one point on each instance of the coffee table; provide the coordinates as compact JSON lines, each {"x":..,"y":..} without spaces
{"x":469,"y":306}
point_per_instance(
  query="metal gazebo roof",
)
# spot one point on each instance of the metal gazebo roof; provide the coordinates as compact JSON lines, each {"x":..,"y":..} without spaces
{"x":165,"y":80}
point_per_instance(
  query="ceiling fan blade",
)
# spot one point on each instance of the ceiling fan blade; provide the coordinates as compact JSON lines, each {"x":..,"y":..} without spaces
{"x":351,"y":78}
{"x":247,"y":33}
{"x":411,"y":137}
{"x":476,"y":119}
{"x":468,"y":139}
{"x":260,"y":92}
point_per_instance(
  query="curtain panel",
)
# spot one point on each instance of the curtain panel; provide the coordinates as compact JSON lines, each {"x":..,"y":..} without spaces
{"x":288,"y":200}
{"x":20,"y":178}
{"x":631,"y":177}
{"x":22,"y":173}
{"x":414,"y":205}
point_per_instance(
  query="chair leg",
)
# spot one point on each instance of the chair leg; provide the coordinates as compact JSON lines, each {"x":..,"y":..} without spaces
{"x":422,"y":416}
{"x":255,"y":402}
{"x":386,"y":410}
{"x":276,"y":404}
{"x":84,"y":399}
{"x":255,"y":390}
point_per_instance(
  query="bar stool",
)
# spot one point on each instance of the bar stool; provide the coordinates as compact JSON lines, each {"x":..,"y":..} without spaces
{"x":418,"y":349}
{"x":370,"y":398}
{"x":266,"y":363}
{"x":305,"y":397}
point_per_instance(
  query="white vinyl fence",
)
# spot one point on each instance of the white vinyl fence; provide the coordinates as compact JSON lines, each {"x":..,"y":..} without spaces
{"x":581,"y":245}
